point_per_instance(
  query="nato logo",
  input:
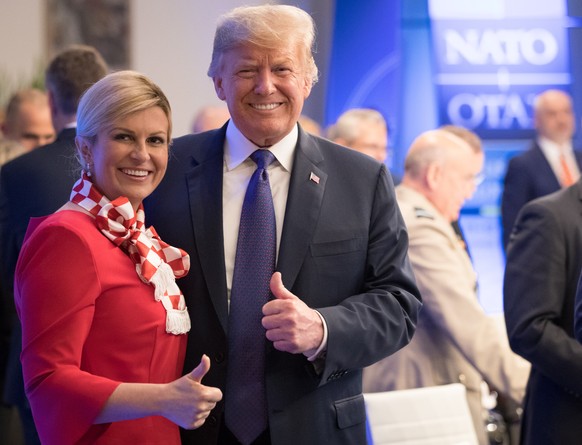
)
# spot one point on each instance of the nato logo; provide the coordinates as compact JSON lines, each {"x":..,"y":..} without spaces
{"x":492,"y":59}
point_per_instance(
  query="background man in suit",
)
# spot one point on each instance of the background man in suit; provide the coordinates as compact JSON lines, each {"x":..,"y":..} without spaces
{"x":440,"y":174}
{"x":38,"y":183}
{"x":550,"y":163}
{"x":578,"y":312}
{"x":544,"y":260}
{"x":343,"y":295}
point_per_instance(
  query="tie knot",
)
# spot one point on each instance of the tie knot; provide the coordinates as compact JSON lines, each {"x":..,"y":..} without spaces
{"x":262,"y":158}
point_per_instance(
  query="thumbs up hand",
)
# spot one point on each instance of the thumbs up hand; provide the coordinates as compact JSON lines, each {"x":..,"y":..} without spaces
{"x":291,"y":325}
{"x":188,"y":402}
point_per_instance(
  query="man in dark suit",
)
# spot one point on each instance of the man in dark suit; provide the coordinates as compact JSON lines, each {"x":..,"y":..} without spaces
{"x":38,"y":183}
{"x":343,"y":296}
{"x":544,"y":260}
{"x":550,"y":163}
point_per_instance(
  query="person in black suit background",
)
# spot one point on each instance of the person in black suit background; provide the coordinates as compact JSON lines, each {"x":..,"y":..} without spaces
{"x":36,"y":184}
{"x":544,"y":260}
{"x":540,"y":170}
{"x":343,"y":296}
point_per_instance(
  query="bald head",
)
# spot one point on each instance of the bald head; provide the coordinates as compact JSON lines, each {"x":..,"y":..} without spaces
{"x":554,"y":116}
{"x":443,"y":167}
{"x":28,"y":119}
{"x":432,"y":147}
{"x":467,"y":135}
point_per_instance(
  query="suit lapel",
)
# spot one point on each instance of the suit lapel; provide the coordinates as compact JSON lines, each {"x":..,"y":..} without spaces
{"x":546,"y":175}
{"x":205,"y":195}
{"x":306,"y":190}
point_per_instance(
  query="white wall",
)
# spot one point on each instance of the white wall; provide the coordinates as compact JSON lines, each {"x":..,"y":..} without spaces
{"x":171,"y":42}
{"x":173,"y":46}
{"x":22,"y":32}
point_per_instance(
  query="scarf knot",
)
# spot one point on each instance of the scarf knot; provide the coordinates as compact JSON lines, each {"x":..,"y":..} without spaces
{"x":156,"y":262}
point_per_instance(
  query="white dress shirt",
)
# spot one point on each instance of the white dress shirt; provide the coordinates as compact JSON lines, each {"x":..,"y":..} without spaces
{"x":237,"y":171}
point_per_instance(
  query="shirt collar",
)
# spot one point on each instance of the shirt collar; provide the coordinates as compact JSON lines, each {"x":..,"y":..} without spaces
{"x":549,"y":146}
{"x":238,"y":148}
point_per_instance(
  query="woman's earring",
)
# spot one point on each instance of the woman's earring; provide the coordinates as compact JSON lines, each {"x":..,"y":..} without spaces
{"x":88,"y":170}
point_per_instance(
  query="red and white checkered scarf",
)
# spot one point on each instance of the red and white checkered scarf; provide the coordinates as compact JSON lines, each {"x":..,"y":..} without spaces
{"x":156,"y":262}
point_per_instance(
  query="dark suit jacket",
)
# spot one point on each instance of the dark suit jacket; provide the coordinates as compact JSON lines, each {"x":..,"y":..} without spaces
{"x":578,"y":312}
{"x":343,"y":251}
{"x":528,"y":176}
{"x":34,"y":184}
{"x":544,"y":259}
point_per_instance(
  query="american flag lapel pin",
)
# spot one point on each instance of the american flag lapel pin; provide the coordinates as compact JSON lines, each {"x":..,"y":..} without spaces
{"x":313,"y":177}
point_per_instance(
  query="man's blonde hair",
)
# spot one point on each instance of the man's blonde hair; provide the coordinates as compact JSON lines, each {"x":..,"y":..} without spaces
{"x":265,"y":26}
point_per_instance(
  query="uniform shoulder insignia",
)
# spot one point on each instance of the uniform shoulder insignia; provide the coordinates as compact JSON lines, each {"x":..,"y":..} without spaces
{"x":422,"y":213}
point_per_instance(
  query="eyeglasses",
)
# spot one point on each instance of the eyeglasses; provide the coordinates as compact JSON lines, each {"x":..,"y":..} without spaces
{"x":474,"y":180}
{"x":478,"y":179}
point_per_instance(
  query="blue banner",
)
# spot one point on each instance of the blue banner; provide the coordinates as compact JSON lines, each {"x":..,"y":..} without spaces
{"x":490,"y":66}
{"x":365,"y":61}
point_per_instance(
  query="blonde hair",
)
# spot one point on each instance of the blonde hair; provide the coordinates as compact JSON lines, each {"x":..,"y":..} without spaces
{"x":116,"y":96}
{"x":266,"y":26}
{"x":348,"y":124}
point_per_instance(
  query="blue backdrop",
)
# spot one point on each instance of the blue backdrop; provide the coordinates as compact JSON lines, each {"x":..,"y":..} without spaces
{"x":425,"y":63}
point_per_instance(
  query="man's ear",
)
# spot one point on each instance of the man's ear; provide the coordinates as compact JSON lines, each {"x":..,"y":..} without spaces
{"x":217,"y":80}
{"x":433,"y":175}
{"x":536,"y":121}
{"x":307,"y":87}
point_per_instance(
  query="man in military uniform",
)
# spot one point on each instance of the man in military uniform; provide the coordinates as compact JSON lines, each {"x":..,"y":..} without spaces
{"x":455,"y":341}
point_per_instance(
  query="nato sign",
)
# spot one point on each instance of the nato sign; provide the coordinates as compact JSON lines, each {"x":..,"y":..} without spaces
{"x":492,"y":58}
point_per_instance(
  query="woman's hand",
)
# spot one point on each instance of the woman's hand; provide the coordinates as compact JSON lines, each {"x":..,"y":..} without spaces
{"x":188,"y":401}
{"x":185,"y":401}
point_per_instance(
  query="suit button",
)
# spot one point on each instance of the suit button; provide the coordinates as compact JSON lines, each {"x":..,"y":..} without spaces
{"x":219,"y":357}
{"x":212,"y":420}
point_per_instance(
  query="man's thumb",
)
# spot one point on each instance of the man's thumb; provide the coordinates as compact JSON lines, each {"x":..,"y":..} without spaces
{"x":278,"y":289}
{"x":200,"y":371}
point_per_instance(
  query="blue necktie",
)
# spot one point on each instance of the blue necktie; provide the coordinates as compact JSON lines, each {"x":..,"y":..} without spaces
{"x":245,"y":398}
